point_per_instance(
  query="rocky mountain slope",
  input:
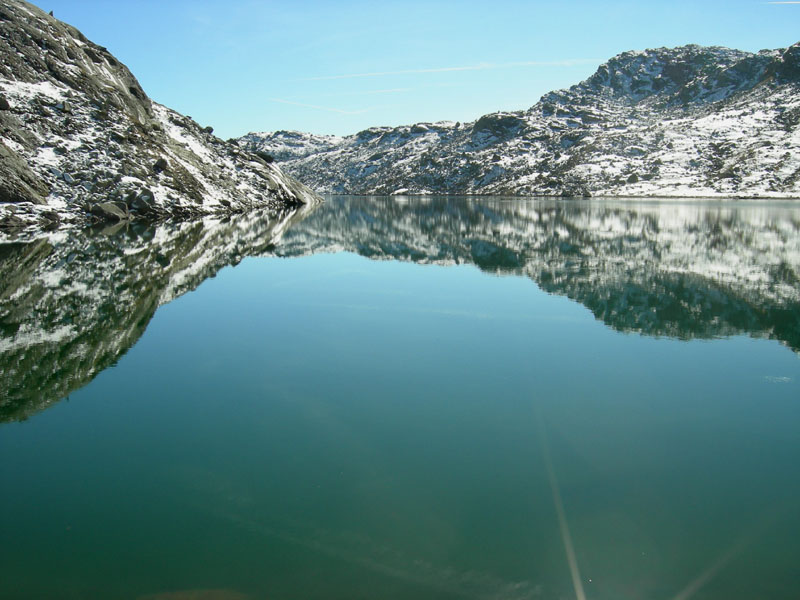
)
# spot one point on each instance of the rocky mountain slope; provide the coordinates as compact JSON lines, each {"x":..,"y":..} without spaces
{"x":79,"y":138}
{"x":687,"y":121}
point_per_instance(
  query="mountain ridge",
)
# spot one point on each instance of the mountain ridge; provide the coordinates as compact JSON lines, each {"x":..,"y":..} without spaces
{"x":685,"y":121}
{"x":80,"y":140}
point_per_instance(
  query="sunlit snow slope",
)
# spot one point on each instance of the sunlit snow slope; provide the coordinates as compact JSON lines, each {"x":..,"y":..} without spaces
{"x":688,"y":121}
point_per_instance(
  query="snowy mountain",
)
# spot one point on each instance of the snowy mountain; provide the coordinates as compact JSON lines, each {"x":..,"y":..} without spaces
{"x":80,"y":139}
{"x":687,"y":121}
{"x":290,"y":145}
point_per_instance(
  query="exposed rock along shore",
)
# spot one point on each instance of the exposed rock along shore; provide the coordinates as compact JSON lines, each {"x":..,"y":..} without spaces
{"x":688,"y":121}
{"x":80,"y":140}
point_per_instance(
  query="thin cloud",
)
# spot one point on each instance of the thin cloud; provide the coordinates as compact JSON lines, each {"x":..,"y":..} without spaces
{"x":351,"y":94}
{"x":325,"y":108}
{"x":388,"y":91}
{"x":367,"y":93}
{"x":478,"y":67}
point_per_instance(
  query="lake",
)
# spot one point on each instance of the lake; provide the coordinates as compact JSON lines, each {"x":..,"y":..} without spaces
{"x":396,"y":398}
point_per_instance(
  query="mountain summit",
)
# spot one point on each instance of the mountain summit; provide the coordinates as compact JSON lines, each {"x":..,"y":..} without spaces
{"x":79,"y":138}
{"x":687,"y":121}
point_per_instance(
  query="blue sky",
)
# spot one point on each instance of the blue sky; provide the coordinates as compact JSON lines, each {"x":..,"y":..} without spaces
{"x":339,"y":67}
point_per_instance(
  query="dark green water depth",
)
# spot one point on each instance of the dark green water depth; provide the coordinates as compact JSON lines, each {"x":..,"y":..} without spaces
{"x":420,"y":398}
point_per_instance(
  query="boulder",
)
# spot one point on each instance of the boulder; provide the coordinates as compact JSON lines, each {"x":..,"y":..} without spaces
{"x":142,"y":203}
{"x":160,"y":165}
{"x":17,"y":182}
{"x":110,"y":211}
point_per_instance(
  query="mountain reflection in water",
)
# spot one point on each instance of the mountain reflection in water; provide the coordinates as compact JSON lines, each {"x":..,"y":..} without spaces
{"x":686,"y":269}
{"x":72,"y":303}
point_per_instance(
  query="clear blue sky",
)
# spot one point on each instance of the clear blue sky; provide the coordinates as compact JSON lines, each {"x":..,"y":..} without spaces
{"x":339,"y":67}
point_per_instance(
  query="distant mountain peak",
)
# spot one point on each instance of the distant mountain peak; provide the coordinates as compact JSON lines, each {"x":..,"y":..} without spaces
{"x":685,"y":121}
{"x":636,"y":75}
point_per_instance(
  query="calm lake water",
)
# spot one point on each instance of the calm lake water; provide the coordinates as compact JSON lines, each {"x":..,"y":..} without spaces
{"x":407,"y":398}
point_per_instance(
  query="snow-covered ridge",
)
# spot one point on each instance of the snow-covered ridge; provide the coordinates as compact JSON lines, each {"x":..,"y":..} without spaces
{"x":689,"y":121}
{"x":80,"y":139}
{"x":287,"y":145}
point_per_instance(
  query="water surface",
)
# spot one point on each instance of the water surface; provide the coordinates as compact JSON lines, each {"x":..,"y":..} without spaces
{"x":419,"y":398}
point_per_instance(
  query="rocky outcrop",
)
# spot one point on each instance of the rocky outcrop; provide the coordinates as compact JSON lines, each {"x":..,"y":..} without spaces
{"x":289,"y":145}
{"x":80,"y":140}
{"x":689,"y":121}
{"x":17,"y":182}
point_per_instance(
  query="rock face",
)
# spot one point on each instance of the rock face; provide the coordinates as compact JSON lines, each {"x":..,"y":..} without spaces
{"x":79,"y":138}
{"x":689,"y":121}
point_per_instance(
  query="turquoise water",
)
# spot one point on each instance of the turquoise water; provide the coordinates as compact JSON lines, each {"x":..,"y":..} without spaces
{"x":429,"y":399}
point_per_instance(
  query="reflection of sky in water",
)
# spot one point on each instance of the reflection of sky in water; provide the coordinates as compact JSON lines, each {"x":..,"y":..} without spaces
{"x":332,"y":426}
{"x":317,"y":446}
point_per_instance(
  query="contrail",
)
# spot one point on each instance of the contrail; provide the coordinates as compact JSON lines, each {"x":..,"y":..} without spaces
{"x":577,"y":582}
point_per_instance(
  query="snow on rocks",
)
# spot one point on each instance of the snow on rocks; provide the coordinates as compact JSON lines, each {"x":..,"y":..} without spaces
{"x":81,"y":141}
{"x":687,"y":121}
